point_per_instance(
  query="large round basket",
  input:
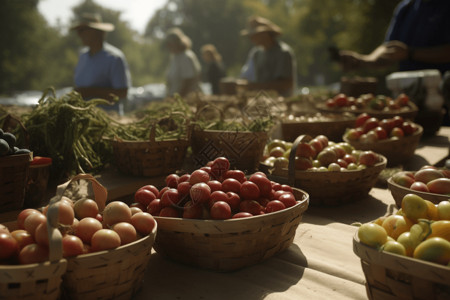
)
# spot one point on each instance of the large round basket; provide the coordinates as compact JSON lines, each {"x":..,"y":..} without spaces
{"x":229,"y":244}
{"x":111,"y":274}
{"x":244,"y":149}
{"x":13,"y":179}
{"x":150,"y":158}
{"x":398,"y":192}
{"x":407,"y":112}
{"x":327,"y":188}
{"x":397,"y":151}
{"x":390,"y":276}
{"x":40,"y":280}
{"x":333,"y":128}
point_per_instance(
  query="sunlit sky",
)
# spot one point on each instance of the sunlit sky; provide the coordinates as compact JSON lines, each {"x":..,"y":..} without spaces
{"x":136,"y":12}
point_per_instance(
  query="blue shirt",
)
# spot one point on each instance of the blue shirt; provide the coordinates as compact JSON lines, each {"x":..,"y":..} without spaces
{"x":419,"y":23}
{"x":107,"y":68}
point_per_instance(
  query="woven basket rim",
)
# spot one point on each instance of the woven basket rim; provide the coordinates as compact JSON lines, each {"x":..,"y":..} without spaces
{"x":415,"y":136}
{"x":32,"y":266}
{"x":440,"y":272}
{"x":425,"y":195}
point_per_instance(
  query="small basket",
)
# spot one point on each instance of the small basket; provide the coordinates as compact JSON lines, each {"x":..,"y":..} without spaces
{"x":150,"y":158}
{"x":409,"y":112}
{"x":327,"y":188}
{"x":396,"y":151}
{"x":390,"y":276}
{"x":111,"y":274}
{"x":229,"y":244}
{"x":41,"y":280}
{"x":37,"y":183}
{"x":333,"y":129}
{"x":13,"y":179}
{"x":398,"y":192}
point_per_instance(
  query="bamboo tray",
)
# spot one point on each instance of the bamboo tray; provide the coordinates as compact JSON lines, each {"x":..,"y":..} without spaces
{"x":229,"y":244}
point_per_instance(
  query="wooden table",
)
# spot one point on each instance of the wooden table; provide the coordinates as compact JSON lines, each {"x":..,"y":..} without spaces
{"x":319,"y":265}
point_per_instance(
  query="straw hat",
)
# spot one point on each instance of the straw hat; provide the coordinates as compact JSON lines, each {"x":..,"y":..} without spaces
{"x":94,"y":21}
{"x":260,"y":24}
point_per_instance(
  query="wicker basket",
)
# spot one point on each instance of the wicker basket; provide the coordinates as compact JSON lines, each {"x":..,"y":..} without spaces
{"x":150,"y":158}
{"x":111,"y":274}
{"x":40,"y":280}
{"x":398,"y":192}
{"x":396,"y":151}
{"x":409,"y":112}
{"x":390,"y":276}
{"x":333,"y":129}
{"x":13,"y":180}
{"x":230,"y":244}
{"x":327,"y":188}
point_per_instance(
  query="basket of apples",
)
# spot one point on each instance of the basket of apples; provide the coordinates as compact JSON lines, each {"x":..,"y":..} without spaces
{"x":429,"y":182}
{"x":221,"y":219}
{"x":395,"y":138}
{"x":379,"y":106}
{"x":106,"y":248}
{"x":315,"y":163}
{"x":406,"y":255}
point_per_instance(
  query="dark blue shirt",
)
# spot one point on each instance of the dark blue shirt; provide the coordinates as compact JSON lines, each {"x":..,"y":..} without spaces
{"x":419,"y":23}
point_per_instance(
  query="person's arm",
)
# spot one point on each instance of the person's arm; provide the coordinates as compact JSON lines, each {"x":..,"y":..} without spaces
{"x":438,"y":54}
{"x":103,"y":93}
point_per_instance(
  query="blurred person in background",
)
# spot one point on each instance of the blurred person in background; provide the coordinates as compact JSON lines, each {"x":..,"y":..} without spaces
{"x":214,"y":69}
{"x":102,"y":70}
{"x":184,"y":71}
{"x":271,"y":63}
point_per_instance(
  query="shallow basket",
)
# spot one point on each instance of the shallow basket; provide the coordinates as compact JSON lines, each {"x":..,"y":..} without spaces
{"x":39,"y":280}
{"x":390,"y":276}
{"x":396,"y":151}
{"x":150,"y":158}
{"x":409,"y":112}
{"x":13,"y":180}
{"x":333,"y":129}
{"x":327,"y":188}
{"x":398,"y":192}
{"x":243,"y":149}
{"x":111,"y":274}
{"x":229,"y":244}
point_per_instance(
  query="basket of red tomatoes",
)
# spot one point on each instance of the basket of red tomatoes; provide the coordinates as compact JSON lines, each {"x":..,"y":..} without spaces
{"x":222,"y":219}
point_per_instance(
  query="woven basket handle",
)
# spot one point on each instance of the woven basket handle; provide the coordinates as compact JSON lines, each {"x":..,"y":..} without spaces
{"x":54,"y":235}
{"x":291,"y":166}
{"x":100,"y":192}
{"x":206,"y":106}
{"x":152,"y":135}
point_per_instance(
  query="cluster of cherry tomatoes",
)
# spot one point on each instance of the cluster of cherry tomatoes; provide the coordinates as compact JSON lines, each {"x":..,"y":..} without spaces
{"x":368,"y":101}
{"x":84,"y":230}
{"x":215,"y":192}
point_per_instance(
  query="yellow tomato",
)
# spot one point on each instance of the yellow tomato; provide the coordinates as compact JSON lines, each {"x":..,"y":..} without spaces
{"x":396,"y":225}
{"x":440,"y":229}
{"x":435,"y":250}
{"x":372,"y":235}
{"x":444,"y":210}
{"x":380,"y":220}
{"x":432,"y":211}
{"x":394,"y":247}
{"x":409,"y":241}
{"x":414,"y":207}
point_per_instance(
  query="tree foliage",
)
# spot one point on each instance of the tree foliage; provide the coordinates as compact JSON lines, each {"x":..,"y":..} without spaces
{"x":34,"y":55}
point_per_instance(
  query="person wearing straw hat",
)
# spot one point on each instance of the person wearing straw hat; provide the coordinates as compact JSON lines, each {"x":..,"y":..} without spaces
{"x":102,"y":70}
{"x":271,"y":63}
{"x":184,"y":71}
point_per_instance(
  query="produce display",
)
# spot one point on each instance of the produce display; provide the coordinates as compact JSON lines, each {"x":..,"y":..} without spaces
{"x":215,"y":192}
{"x":420,"y":229}
{"x":319,"y":154}
{"x":369,"y":101}
{"x":8,"y":144}
{"x":428,"y":179}
{"x":83,"y":227}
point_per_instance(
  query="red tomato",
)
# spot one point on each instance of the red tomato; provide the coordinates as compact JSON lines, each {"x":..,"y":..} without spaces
{"x":199,"y":176}
{"x":33,"y":221}
{"x":154,"y":189}
{"x":144,"y":196}
{"x":33,"y":253}
{"x":215,"y":185}
{"x":381,"y":133}
{"x":85,"y":208}
{"x":200,"y":193}
{"x":105,"y":239}
{"x":172,"y":180}
{"x":218,"y":196}
{"x":169,"y":211}
{"x":361,"y":119}
{"x":219,"y":167}
{"x":126,"y":232}
{"x":170,"y":197}
{"x":184,"y":177}
{"x":249,"y":191}
{"x":162,"y":191}
{"x":288,"y":199}
{"x":305,"y":150}
{"x":234,"y":200}
{"x":242,"y":214}
{"x":251,"y":206}
{"x":41,"y":234}
{"x":236,"y":174}
{"x":368,"y":158}
{"x":22,"y":237}
{"x":184,"y":188}
{"x":4,"y":229}
{"x":220,"y":210}
{"x":398,"y":121}
{"x":370,"y":123}
{"x":274,"y":205}
{"x":23,"y":215}
{"x":340,"y":100}
{"x":192,"y":211}
{"x":8,"y":246}
{"x":72,"y":245}
{"x":263,"y":183}
{"x":154,"y":208}
{"x":231,"y":185}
